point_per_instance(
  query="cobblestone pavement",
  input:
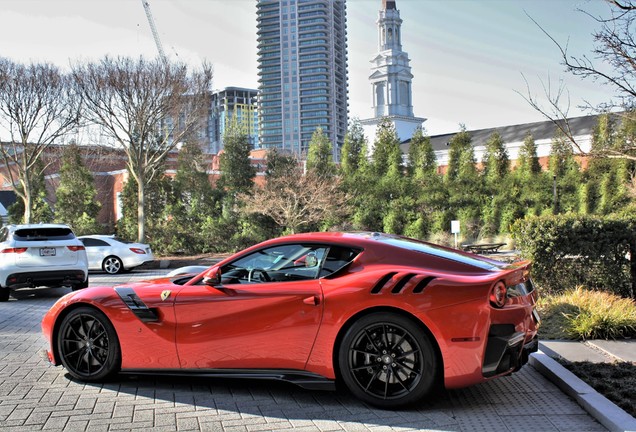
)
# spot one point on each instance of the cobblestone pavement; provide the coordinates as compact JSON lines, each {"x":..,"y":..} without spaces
{"x":37,"y":396}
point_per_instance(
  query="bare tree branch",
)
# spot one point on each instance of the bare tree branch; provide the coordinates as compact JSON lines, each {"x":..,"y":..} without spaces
{"x":38,"y":107}
{"x":613,"y":64}
{"x":295,"y":201}
{"x":147,"y":107}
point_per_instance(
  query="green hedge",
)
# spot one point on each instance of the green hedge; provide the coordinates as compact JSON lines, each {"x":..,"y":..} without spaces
{"x":569,"y":251}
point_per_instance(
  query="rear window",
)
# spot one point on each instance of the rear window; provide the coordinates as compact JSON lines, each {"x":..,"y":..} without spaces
{"x":439,"y":251}
{"x":35,"y":234}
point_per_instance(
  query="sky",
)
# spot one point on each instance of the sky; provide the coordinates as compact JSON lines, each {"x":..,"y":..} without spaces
{"x":470,"y":58}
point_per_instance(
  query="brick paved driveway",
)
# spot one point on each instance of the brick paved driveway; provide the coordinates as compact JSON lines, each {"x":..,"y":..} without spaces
{"x":37,"y":396}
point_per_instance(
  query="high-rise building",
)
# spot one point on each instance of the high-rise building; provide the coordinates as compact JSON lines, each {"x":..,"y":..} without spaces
{"x":302,"y":67}
{"x":391,"y":77}
{"x":231,"y":103}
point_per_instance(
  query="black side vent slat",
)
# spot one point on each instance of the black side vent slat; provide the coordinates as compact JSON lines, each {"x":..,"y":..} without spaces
{"x":422,"y":284}
{"x":380,"y":284}
{"x":398,"y":286}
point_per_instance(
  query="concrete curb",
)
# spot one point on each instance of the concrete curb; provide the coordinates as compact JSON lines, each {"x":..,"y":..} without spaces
{"x":597,"y":405}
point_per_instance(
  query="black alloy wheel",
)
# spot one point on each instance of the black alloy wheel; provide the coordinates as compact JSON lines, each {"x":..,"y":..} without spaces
{"x":387,"y":360}
{"x":88,"y":345}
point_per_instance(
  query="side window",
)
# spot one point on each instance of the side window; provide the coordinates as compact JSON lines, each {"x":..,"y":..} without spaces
{"x":281,"y":263}
{"x":4,"y":234}
{"x":338,"y":257}
{"x":91,"y":242}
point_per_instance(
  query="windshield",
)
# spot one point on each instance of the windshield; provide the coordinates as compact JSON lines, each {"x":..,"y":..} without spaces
{"x":33,"y":234}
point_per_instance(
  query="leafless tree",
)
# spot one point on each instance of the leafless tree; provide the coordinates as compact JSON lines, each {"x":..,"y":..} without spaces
{"x":145,"y":106}
{"x":612,"y":63}
{"x":295,"y":201}
{"x":37,"y":108}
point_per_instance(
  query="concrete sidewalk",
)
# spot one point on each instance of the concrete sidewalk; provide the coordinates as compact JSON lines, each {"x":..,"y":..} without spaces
{"x":595,"y":351}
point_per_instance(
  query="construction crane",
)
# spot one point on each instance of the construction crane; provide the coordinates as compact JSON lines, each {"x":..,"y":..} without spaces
{"x":155,"y":33}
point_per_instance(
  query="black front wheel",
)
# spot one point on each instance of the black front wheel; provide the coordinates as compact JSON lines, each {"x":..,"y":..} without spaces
{"x":387,"y":360}
{"x":88,"y":345}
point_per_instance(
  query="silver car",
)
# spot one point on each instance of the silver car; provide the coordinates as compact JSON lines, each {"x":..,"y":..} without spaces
{"x":114,"y":255}
{"x":34,"y":255}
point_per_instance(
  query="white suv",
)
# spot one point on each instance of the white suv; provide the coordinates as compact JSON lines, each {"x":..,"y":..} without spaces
{"x":41,"y":254}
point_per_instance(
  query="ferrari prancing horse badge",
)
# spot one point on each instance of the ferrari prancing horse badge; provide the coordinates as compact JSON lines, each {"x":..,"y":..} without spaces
{"x":165,"y":294}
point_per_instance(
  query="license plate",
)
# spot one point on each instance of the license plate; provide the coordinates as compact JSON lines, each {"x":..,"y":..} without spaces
{"x":49,"y":251}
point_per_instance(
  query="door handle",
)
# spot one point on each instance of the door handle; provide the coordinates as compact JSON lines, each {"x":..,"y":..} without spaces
{"x":313,"y":300}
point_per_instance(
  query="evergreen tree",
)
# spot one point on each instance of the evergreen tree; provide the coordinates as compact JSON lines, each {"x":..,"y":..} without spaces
{"x":608,"y":177}
{"x":280,"y":164}
{"x":387,"y":155}
{"x":353,"y":157}
{"x":566,"y":172}
{"x":533,"y":185}
{"x":496,"y":161}
{"x":528,"y":161}
{"x":237,"y":173}
{"x":76,"y":194}
{"x":320,"y":155}
{"x":191,"y":200}
{"x":157,"y":193}
{"x":422,"y":159}
{"x":460,"y":148}
{"x":427,"y":187}
{"x":496,"y":169}
{"x":466,"y":190}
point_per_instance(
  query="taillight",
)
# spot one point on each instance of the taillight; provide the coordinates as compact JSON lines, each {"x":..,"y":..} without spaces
{"x":75,"y":248}
{"x":14,"y":250}
{"x":498,"y":295}
{"x":138,"y":251}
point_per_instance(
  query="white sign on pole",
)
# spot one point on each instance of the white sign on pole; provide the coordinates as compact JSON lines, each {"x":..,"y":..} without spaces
{"x":455,"y":230}
{"x":454,"y":227}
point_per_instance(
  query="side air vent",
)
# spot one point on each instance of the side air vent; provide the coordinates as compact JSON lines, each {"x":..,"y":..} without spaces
{"x":398,"y":286}
{"x":422,"y":284}
{"x":401,"y":283}
{"x":136,"y":305}
{"x":380,"y":284}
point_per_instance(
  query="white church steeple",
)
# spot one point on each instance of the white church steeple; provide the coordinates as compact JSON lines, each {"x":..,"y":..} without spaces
{"x":391,"y":77}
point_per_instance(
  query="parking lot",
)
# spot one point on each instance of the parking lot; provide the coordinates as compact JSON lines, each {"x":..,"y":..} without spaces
{"x":37,"y":396}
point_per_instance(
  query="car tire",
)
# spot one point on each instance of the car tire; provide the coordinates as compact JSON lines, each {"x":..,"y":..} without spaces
{"x":81,"y":285}
{"x":387,"y":360}
{"x":87,"y":345}
{"x":112,"y":265}
{"x":4,"y":294}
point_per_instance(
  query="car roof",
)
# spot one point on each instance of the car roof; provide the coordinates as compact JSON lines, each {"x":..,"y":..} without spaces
{"x":371,"y":240}
{"x":38,"y":225}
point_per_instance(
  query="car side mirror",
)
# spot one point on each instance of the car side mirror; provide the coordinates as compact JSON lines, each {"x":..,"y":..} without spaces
{"x":212,"y":277}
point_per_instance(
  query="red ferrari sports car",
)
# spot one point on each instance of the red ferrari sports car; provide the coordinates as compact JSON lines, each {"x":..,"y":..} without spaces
{"x":387,"y":316}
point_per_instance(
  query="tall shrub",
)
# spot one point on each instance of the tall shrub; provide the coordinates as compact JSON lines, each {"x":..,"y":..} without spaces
{"x":569,"y":250}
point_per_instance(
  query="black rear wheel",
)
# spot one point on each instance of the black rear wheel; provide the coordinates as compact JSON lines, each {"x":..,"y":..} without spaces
{"x":387,"y":360}
{"x":81,"y":285}
{"x":88,"y":345}
{"x":4,"y":294}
